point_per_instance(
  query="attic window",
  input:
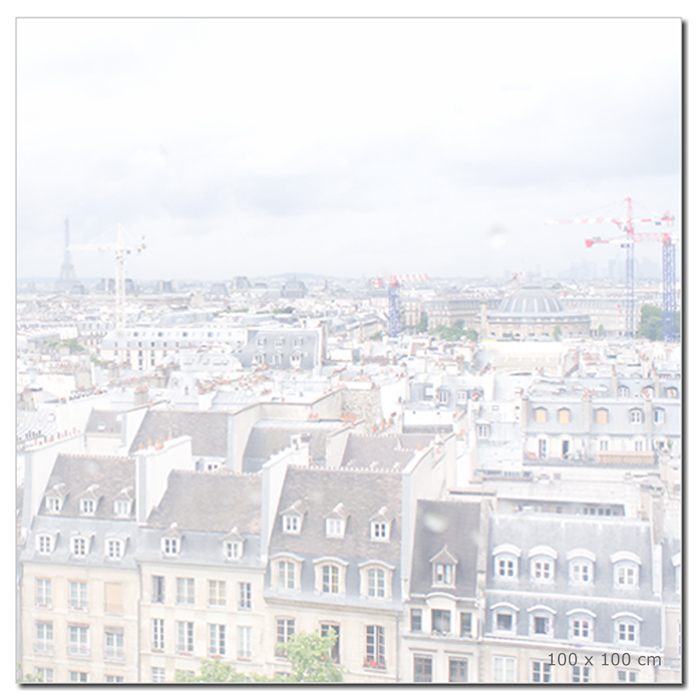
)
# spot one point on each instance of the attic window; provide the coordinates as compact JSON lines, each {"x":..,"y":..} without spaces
{"x":291,"y":524}
{"x":122,"y":508}
{"x":335,"y":527}
{"x":379,"y":531}
{"x":87,"y":506}
{"x":79,"y":547}
{"x":170,"y":546}
{"x":444,"y":574}
{"x":44,"y":544}
{"x":53,"y":504}
{"x":233,"y":549}
{"x":115,"y":550}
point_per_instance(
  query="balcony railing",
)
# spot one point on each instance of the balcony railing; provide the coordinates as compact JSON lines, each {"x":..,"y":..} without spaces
{"x":45,"y":648}
{"x":79,"y":650}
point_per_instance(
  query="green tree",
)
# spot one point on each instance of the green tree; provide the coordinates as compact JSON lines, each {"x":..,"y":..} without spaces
{"x":557,"y":332}
{"x":212,"y":671}
{"x":423,"y":323}
{"x":472,"y":334}
{"x":651,"y":323}
{"x":601,"y":331}
{"x":311,"y":656}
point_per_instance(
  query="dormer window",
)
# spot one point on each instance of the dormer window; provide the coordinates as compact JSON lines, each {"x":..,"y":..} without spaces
{"x":291,"y":523}
{"x":581,"y":625}
{"x":581,"y":562}
{"x":540,"y":415}
{"x":601,"y":416}
{"x":88,"y":506}
{"x":659,"y":416}
{"x":505,"y":561}
{"x":542,"y":562}
{"x":233,"y":549}
{"x":636,"y":416}
{"x":444,"y":568}
{"x":564,"y":416}
{"x":627,"y":627}
{"x":335,"y":522}
{"x":44,"y":544}
{"x":504,"y":618}
{"x":122,"y":508}
{"x":53,"y":504}
{"x":541,"y":621}
{"x":115,"y":549}
{"x":626,"y":569}
{"x":380,"y":526}
{"x":170,"y":546}
{"x":79,"y":547}
{"x":375,"y":579}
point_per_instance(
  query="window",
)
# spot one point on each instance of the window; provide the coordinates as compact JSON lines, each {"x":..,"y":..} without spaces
{"x":44,"y":544}
{"x":77,"y":595}
{"x":458,"y":670}
{"x":639,"y":445}
{"x":580,"y":571}
{"x":542,"y":448}
{"x":244,"y":596}
{"x":157,"y":634}
{"x":659,"y":416}
{"x":504,"y":622}
{"x":441,"y":622}
{"x":43,"y":592}
{"x":541,"y":672}
{"x":78,"y":640}
{"x":374,"y":647}
{"x":286,"y":574}
{"x":217,"y":640}
{"x":245,"y":636}
{"x":422,"y":669}
{"x":581,"y":626}
{"x":114,"y":644}
{"x":465,"y":624}
{"x":285,"y":629}
{"x":157,"y":589}
{"x":672,"y":392}
{"x":564,"y":416}
{"x":233,"y":550}
{"x":185,"y":636}
{"x":330,"y":579}
{"x":483,"y":430}
{"x":540,"y":415}
{"x":601,"y":416}
{"x":542,"y":569}
{"x":185,"y":591}
{"x":604,"y":445}
{"x":635,"y":416}
{"x":444,"y":574}
{"x":217,"y":593}
{"x":335,"y":527}
{"x":114,"y":549}
{"x":623,"y":392}
{"x":43,"y":643}
{"x":53,"y":504}
{"x":78,"y":677}
{"x":626,"y":569}
{"x":327,"y":627}
{"x":581,"y":674}
{"x":114,"y":679}
{"x":157,"y":674}
{"x":379,"y":531}
{"x":291,"y":524}
{"x":627,"y":676}
{"x":416,"y":620}
{"x":627,"y":631}
{"x":87,"y":506}
{"x":504,"y":669}
{"x":170,"y":546}
{"x":45,"y":674}
{"x":376,"y":583}
{"x":506,"y":567}
{"x":79,"y":547}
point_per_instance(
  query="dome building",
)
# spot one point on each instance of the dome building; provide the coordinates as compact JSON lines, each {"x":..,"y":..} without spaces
{"x":534,"y":311}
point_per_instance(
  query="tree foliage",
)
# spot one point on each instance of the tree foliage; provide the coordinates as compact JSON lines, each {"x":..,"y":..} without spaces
{"x":310,"y":655}
{"x":455,"y":332}
{"x":423,"y":323}
{"x":651,"y":323}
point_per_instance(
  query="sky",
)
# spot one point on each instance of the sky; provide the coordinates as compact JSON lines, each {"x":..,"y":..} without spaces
{"x":342,"y":147}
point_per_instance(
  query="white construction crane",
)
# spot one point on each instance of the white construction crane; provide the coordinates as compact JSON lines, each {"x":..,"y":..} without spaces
{"x":121,"y":250}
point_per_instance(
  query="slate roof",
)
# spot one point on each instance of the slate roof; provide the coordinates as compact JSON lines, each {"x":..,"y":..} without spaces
{"x":79,"y":472}
{"x":110,"y":420}
{"x":208,"y":429}
{"x":362,"y":495}
{"x":385,"y":453}
{"x":440,"y":523}
{"x":210,"y":502}
{"x":272,"y":435}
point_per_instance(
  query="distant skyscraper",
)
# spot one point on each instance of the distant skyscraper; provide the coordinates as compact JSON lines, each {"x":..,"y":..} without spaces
{"x":67,"y":278}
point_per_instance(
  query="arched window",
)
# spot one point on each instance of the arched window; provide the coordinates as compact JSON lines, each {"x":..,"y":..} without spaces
{"x":540,"y":415}
{"x":564,"y":416}
{"x":623,"y":392}
{"x":601,"y":416}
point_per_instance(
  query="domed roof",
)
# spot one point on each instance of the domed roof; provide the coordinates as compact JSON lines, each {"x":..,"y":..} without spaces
{"x":531,"y":300}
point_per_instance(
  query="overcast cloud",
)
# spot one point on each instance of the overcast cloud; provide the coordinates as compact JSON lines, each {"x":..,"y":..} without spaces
{"x":341,"y":147}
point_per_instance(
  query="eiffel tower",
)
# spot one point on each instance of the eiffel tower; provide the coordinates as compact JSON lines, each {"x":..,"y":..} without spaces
{"x":67,"y":278}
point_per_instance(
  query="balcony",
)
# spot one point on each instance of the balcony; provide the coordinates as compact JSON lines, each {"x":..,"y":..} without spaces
{"x":44,"y":648}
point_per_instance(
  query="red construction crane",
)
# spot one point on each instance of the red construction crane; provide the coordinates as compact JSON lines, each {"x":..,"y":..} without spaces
{"x":629,"y":237}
